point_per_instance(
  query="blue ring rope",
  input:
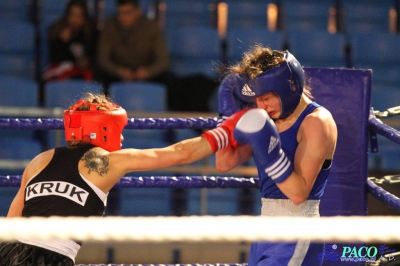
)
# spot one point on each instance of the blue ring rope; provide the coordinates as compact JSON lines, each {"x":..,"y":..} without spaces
{"x":164,"y":182}
{"x":384,"y":196}
{"x":186,"y":181}
{"x":384,"y":130}
{"x":133,"y":123}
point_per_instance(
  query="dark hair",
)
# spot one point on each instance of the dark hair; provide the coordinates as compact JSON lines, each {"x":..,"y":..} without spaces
{"x":81,"y":3}
{"x":135,"y":3}
{"x":257,"y":60}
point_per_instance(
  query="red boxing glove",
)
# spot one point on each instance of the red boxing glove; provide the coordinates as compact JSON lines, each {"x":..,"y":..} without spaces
{"x":222,"y":136}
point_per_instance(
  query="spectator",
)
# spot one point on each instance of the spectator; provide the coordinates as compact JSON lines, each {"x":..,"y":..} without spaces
{"x":72,"y":43}
{"x":132,"y":47}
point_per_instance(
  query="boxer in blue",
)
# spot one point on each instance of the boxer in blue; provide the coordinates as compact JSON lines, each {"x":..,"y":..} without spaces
{"x":291,"y":138}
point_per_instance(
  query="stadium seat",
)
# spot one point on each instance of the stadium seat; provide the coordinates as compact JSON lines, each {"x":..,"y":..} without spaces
{"x":194,"y":50}
{"x":247,"y":14}
{"x":145,"y":201}
{"x":15,"y":10}
{"x":17,"y":48}
{"x":239,"y":40}
{"x":19,"y":148}
{"x":141,"y":96}
{"x":366,"y":16}
{"x":377,"y":51}
{"x":180,"y":13}
{"x":305,"y":15}
{"x":18,"y":92}
{"x":318,"y":48}
{"x":65,"y":93}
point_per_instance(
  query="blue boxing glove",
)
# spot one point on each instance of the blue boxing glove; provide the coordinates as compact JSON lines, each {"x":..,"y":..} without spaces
{"x":258,"y":130}
{"x":228,"y":103}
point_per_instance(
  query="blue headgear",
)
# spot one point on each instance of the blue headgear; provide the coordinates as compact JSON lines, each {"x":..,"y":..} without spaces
{"x":286,"y":80}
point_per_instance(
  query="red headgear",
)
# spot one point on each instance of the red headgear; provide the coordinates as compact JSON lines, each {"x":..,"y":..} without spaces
{"x":101,"y":128}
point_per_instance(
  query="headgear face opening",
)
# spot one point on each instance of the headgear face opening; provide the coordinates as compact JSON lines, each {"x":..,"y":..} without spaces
{"x":102,"y":128}
{"x":285,"y":80}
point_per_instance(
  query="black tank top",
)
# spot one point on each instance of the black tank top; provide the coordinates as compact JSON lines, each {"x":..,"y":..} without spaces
{"x":59,"y":190}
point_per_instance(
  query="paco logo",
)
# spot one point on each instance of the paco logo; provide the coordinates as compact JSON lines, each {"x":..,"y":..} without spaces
{"x":358,"y":254}
{"x":361,"y":252}
{"x":63,"y":189}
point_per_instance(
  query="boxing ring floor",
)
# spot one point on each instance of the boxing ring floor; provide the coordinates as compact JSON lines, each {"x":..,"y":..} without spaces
{"x":346,"y":93}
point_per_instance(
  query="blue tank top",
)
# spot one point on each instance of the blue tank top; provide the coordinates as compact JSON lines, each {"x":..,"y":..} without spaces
{"x":268,"y":188}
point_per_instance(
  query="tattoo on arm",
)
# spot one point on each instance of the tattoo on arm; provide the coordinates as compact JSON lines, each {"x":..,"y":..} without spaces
{"x":96,"y":162}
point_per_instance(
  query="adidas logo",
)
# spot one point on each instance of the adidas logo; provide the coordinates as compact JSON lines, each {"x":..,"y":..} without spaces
{"x":272,"y":144}
{"x":247,"y":91}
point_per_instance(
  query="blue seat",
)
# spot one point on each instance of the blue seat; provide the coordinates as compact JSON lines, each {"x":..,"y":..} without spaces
{"x":318,"y":48}
{"x":376,"y":47}
{"x":17,"y":48}
{"x":145,"y":201}
{"x":17,"y":66}
{"x":15,"y":10}
{"x":366,"y":16}
{"x":247,"y":14}
{"x":141,"y":96}
{"x":305,"y":15}
{"x":19,"y":92}
{"x":220,"y":201}
{"x":180,"y":13}
{"x":17,"y":37}
{"x":239,"y":40}
{"x":194,"y":50}
{"x":377,"y":51}
{"x":384,"y":97}
{"x":19,"y":148}
{"x":65,"y":93}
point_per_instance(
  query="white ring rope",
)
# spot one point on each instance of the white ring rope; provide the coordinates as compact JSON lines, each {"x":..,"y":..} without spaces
{"x":204,"y":228}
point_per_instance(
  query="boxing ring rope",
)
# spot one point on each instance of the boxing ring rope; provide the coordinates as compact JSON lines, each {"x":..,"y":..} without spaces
{"x":172,"y":229}
{"x":206,"y":182}
{"x":208,"y":228}
{"x":133,"y":123}
{"x":165,"y":182}
{"x":187,"y":181}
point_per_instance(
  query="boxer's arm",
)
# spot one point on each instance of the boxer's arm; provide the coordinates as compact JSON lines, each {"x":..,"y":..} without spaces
{"x":228,"y":158}
{"x":17,"y":205}
{"x":117,"y":164}
{"x":317,"y":141}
